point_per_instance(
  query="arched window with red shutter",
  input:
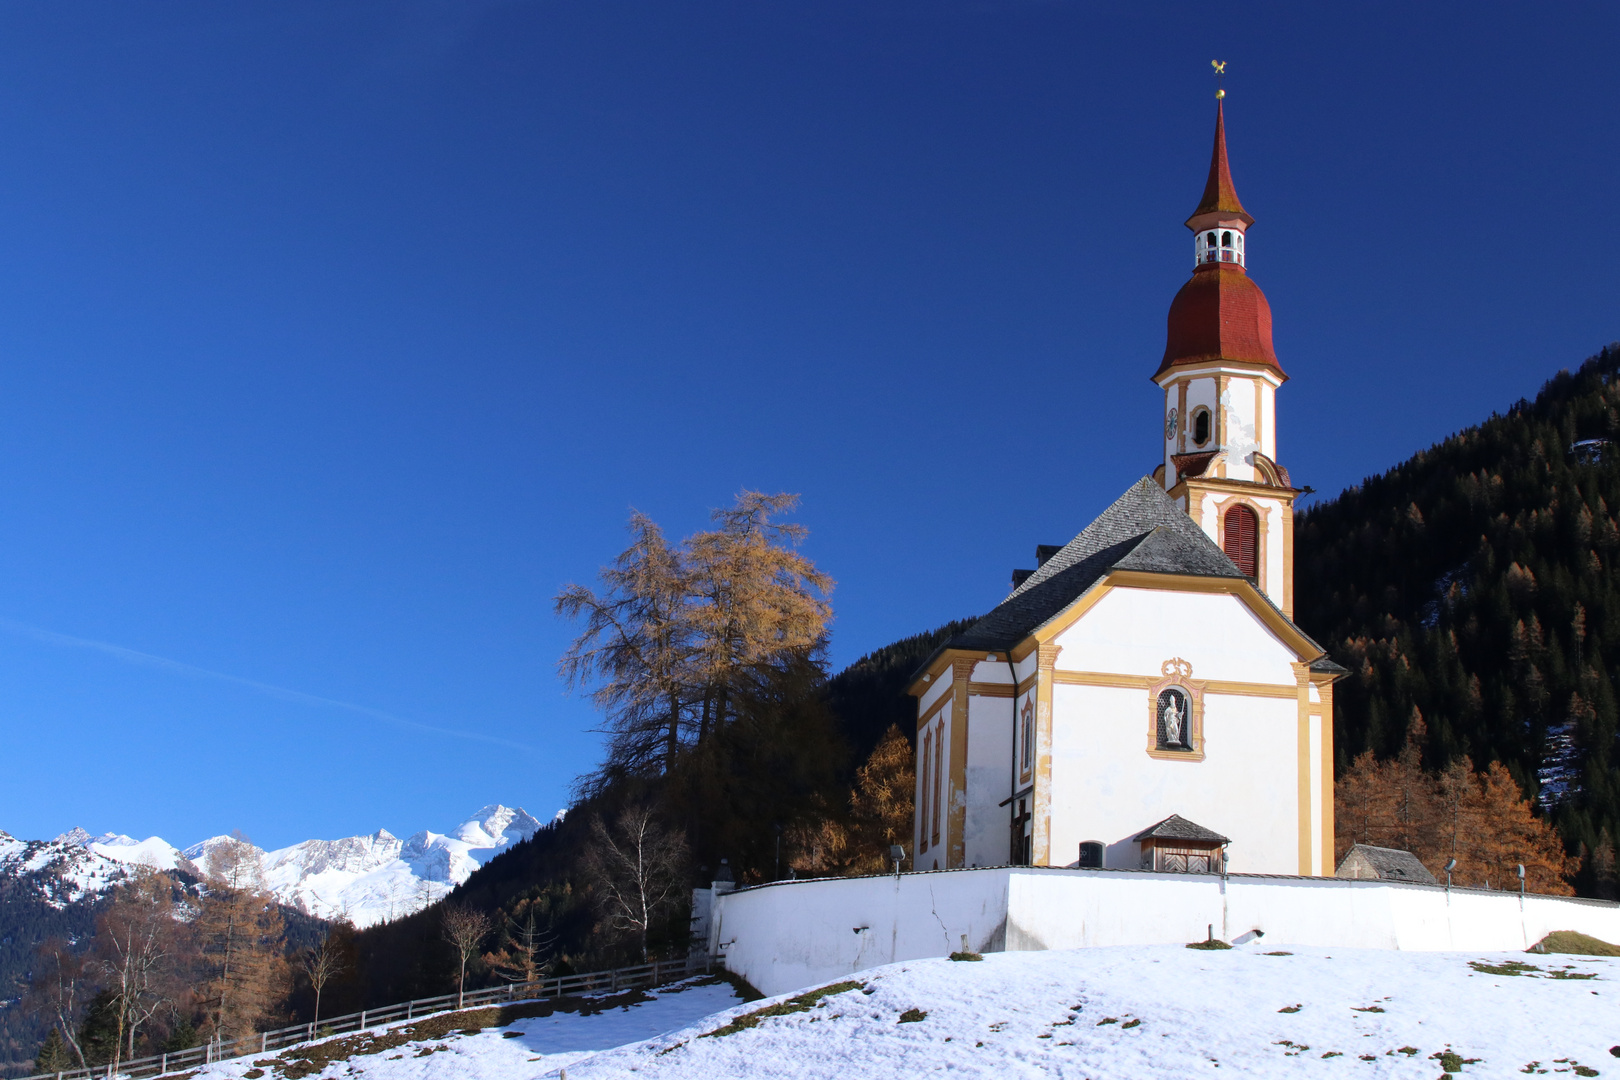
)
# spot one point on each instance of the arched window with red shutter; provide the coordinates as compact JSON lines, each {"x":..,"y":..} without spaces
{"x":1241,"y":539}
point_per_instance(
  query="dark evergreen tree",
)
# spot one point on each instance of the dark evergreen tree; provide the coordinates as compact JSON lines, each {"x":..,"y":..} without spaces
{"x":54,"y":1055}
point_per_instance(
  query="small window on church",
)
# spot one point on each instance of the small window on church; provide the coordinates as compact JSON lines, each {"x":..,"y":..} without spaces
{"x":1027,"y":757}
{"x":1091,"y":855}
{"x":1200,"y":426}
{"x":1240,"y":537}
{"x":1175,"y":719}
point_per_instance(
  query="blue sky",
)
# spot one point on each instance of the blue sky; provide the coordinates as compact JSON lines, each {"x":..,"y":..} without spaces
{"x":336,"y":337}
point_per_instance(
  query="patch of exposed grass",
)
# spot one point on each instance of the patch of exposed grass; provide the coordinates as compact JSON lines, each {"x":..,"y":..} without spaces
{"x":511,"y":1034}
{"x":1574,"y":943}
{"x":1334,"y":1053}
{"x":964,"y":955}
{"x":1108,"y":1020}
{"x":916,"y":1016}
{"x":802,"y":1003}
{"x":253,"y":1074}
{"x":1368,"y":1008}
{"x":1565,"y":973}
{"x":1133,"y":1022}
{"x":1213,"y":943}
{"x":1507,"y":967}
{"x":1291,"y":1008}
{"x":1280,"y":952}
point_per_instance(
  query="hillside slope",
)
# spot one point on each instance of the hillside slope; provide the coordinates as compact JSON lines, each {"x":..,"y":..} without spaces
{"x":1139,"y":1013}
{"x":1479,"y":582}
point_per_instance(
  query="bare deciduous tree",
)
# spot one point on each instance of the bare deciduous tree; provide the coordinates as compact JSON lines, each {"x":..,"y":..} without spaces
{"x":638,"y":870}
{"x":60,"y":990}
{"x":134,"y":953}
{"x":465,"y":929}
{"x":321,"y":964}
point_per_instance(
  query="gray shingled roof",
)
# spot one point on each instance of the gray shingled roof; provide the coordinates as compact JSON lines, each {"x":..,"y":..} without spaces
{"x":1143,"y":530}
{"x":1390,"y":864}
{"x":1176,"y":827}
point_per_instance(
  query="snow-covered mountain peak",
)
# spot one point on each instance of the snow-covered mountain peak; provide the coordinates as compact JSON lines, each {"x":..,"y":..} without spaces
{"x":496,"y":826}
{"x":366,"y":879}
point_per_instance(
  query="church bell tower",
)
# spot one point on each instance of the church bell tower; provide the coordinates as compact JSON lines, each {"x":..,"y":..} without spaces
{"x":1220,"y":378}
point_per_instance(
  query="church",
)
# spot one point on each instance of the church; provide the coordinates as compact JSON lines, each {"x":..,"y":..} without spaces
{"x":1142,"y":698}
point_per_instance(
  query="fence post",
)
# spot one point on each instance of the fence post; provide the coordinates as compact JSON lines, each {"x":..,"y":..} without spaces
{"x":162,"y":1068}
{"x":362,"y":1026}
{"x":409,"y":1007}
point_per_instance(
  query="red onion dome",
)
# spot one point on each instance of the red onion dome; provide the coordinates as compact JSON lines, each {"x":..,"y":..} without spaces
{"x":1220,"y":314}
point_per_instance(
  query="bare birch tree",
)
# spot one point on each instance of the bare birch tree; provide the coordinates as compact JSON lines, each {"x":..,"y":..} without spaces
{"x":638,"y":871}
{"x":321,"y":963}
{"x":465,"y":929}
{"x":60,"y":990}
{"x":134,"y":953}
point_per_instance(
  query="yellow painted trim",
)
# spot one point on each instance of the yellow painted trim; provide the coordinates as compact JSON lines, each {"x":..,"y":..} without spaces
{"x":1248,"y":689}
{"x":956,"y":823}
{"x":1071,"y":614}
{"x":1222,"y":687}
{"x":991,"y":689}
{"x":1302,"y":677}
{"x":1101,"y":678}
{"x":933,"y":710}
{"x":1181,"y":429}
{"x":926,"y":680}
{"x":1324,"y":686}
{"x":1259,"y":417}
{"x":1234,"y":486}
{"x":1021,"y":651}
{"x":1041,"y":797}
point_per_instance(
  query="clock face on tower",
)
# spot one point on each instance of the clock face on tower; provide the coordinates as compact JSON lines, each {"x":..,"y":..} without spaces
{"x":1170,"y":422}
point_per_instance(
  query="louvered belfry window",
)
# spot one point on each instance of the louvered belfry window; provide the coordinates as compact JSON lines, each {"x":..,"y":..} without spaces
{"x":1241,"y":539}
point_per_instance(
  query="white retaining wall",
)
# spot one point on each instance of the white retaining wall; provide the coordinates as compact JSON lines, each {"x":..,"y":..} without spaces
{"x":793,"y":934}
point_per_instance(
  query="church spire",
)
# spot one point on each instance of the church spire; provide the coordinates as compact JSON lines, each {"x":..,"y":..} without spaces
{"x":1220,"y":197}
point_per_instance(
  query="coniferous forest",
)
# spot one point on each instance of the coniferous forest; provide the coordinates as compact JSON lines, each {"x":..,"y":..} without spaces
{"x":1475,"y":588}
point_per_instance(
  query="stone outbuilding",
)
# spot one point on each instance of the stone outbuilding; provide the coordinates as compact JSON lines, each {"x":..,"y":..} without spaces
{"x":1365,"y":862}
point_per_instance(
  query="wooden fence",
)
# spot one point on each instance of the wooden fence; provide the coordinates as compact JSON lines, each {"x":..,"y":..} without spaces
{"x":595,"y":982}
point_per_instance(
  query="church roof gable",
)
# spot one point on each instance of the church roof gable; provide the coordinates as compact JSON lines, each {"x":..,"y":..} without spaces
{"x":1143,"y":530}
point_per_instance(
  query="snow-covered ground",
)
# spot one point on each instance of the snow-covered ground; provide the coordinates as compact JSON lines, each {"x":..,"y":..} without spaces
{"x":1141,"y":1013}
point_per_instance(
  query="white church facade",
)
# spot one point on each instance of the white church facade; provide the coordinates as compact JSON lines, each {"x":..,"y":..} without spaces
{"x":1142,"y":699}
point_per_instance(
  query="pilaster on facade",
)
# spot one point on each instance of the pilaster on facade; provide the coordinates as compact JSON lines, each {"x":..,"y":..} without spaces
{"x":1041,"y":810}
{"x":956,"y":798}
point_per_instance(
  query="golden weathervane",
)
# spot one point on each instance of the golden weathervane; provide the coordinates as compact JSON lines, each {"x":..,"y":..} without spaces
{"x":1220,"y":78}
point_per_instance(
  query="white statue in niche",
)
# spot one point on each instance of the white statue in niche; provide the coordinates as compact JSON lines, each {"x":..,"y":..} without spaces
{"x":1174,"y":717}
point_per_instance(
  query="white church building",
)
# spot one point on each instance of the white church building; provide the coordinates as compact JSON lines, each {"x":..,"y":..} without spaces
{"x":1142,"y":699}
{"x":1136,"y":745}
